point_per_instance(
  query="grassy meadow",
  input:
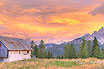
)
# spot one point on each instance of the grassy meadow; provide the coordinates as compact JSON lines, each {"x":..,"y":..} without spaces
{"x":90,"y":63}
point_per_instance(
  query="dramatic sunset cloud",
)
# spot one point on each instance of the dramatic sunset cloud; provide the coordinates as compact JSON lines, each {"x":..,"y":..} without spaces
{"x":54,"y":21}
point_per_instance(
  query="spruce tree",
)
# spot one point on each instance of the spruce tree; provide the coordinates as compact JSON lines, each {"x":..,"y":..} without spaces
{"x":59,"y":56}
{"x":36,"y":50}
{"x":45,"y":54}
{"x":95,"y":45}
{"x":101,"y":55}
{"x":41,"y":49}
{"x":81,"y":48}
{"x":83,"y":53}
{"x":49,"y":55}
{"x":66,"y":51}
{"x":96,"y":52}
{"x":89,"y":47}
{"x":74,"y":53}
{"x":32,"y":46}
{"x":70,"y":51}
{"x":80,"y":51}
{"x":62,"y":57}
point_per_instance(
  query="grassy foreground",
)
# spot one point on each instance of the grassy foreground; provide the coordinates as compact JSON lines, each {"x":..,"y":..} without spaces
{"x":91,"y":63}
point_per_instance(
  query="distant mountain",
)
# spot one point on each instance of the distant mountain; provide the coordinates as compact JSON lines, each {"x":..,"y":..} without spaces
{"x":56,"y":48}
{"x":98,"y":34}
{"x":59,"y":48}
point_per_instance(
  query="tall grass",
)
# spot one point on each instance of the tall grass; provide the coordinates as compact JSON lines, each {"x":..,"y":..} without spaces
{"x":54,"y":64}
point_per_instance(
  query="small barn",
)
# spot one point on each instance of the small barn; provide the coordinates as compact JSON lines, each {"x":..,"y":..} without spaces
{"x":14,"y":49}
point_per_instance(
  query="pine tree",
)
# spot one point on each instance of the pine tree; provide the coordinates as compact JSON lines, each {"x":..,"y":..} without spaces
{"x":83,"y":53}
{"x":74,"y":53}
{"x":62,"y":57}
{"x":45,"y":54}
{"x":41,"y":49}
{"x":95,"y":45}
{"x":80,"y":51}
{"x":70,"y":52}
{"x":101,"y":55}
{"x":36,"y":51}
{"x":66,"y":51}
{"x":89,"y":47}
{"x":49,"y":55}
{"x":81,"y":48}
{"x":32,"y":46}
{"x":59,"y":56}
{"x":96,"y":52}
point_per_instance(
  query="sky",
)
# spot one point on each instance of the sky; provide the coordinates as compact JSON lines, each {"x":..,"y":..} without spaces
{"x":53,"y":21}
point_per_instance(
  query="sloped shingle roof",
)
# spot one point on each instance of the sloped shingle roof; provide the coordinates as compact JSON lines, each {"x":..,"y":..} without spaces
{"x":14,"y":43}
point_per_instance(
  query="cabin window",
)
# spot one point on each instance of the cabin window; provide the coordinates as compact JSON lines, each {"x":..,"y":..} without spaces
{"x":27,"y":51}
{"x":19,"y":52}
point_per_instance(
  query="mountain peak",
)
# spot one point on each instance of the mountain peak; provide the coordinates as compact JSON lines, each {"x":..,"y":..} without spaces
{"x":98,"y":34}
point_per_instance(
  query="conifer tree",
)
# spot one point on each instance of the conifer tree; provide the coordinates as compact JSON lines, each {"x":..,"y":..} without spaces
{"x":45,"y":54}
{"x":101,"y":55}
{"x":59,"y":56}
{"x":80,"y":51}
{"x":62,"y":57}
{"x":83,"y":53}
{"x":96,"y":52}
{"x":89,"y":47}
{"x":49,"y":55}
{"x":36,"y":50}
{"x":32,"y":46}
{"x":66,"y":51}
{"x":74,"y":53}
{"x":41,"y":49}
{"x":70,"y":52}
{"x":95,"y":45}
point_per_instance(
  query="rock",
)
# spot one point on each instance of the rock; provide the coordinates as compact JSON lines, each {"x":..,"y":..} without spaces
{"x":33,"y":57}
{"x":99,"y":62}
{"x":77,"y":60}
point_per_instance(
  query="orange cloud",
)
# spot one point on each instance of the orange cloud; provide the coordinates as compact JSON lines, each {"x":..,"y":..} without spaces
{"x":53,"y":24}
{"x":64,"y":21}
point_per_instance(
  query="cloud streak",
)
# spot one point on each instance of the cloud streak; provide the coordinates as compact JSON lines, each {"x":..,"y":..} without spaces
{"x":98,"y":10}
{"x":51,"y":20}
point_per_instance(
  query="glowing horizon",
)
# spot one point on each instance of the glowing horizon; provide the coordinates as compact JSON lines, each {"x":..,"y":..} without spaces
{"x":51,"y":20}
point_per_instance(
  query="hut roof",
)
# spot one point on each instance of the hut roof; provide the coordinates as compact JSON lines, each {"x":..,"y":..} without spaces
{"x":14,"y":43}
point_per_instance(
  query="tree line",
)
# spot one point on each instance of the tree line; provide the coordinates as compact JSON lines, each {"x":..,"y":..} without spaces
{"x":40,"y":51}
{"x":85,"y":51}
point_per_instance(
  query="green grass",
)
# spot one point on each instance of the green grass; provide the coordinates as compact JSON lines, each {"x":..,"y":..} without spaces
{"x":62,"y":63}
{"x":51,"y":64}
{"x":65,"y":63}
